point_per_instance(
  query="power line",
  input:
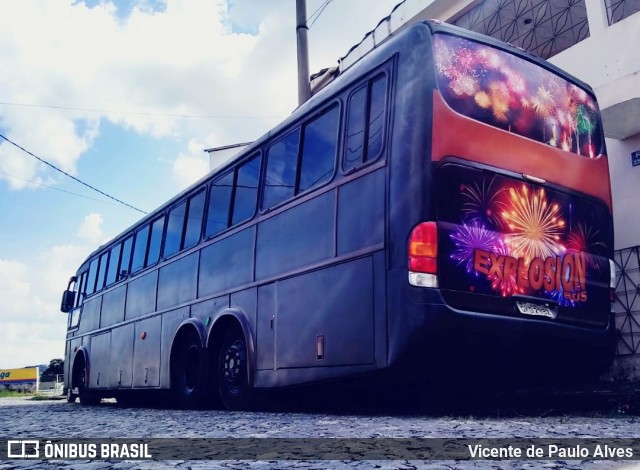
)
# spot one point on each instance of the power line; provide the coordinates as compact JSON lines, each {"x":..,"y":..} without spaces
{"x":54,"y":188}
{"x":318,"y":12}
{"x":135,"y":113}
{"x":70,"y":176}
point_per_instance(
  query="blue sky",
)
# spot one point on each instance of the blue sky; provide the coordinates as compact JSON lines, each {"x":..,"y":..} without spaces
{"x":126,"y":95}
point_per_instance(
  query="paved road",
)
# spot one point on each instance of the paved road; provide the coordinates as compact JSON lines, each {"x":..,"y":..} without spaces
{"x":23,"y":418}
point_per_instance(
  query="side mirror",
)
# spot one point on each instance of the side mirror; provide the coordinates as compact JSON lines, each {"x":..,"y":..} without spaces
{"x":68,"y":299}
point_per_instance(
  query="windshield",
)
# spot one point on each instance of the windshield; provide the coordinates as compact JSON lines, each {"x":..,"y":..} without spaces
{"x":506,"y":91}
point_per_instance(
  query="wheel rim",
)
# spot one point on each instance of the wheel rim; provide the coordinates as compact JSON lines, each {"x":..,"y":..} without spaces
{"x":234,"y":366}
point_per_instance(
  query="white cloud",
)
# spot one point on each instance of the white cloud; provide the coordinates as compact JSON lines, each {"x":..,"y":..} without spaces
{"x":190,"y":167}
{"x":33,"y":328}
{"x":91,"y":228}
{"x":140,"y":71}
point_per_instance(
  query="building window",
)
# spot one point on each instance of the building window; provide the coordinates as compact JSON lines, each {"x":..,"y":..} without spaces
{"x":543,"y":28}
{"x":618,"y":10}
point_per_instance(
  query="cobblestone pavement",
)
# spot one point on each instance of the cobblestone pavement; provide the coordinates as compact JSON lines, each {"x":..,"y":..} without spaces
{"x":23,"y":418}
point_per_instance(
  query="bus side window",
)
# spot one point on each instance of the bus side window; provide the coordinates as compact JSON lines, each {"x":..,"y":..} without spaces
{"x":81,"y":288}
{"x":155,"y":240}
{"x":319,"y":146}
{"x":282,"y":163}
{"x":102,"y":271}
{"x":367,"y":114}
{"x":219,"y":205}
{"x":114,"y":261}
{"x":355,"y":129}
{"x":125,"y":259}
{"x":246,"y":194}
{"x":377,"y":118}
{"x":91,"y":281}
{"x":184,"y":225}
{"x":140,"y":249}
{"x":194,"y":220}
{"x":175,"y":228}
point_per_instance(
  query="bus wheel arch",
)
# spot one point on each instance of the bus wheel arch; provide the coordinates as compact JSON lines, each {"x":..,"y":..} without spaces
{"x":189,"y":370}
{"x":80,"y":380}
{"x":231,"y":345}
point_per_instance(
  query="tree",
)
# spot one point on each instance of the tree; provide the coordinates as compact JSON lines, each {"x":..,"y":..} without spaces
{"x":56,"y":367}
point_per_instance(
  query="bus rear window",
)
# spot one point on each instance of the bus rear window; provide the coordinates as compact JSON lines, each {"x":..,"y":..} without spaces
{"x":511,"y":93}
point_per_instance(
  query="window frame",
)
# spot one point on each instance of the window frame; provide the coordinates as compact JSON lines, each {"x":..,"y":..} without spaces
{"x":301,"y":127}
{"x":233,"y":172}
{"x":367,"y":85}
{"x":187,"y":202}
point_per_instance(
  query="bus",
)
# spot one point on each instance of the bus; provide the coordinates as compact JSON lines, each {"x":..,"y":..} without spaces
{"x":443,"y":204}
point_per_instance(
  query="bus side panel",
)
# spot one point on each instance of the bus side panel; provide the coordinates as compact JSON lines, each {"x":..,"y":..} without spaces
{"x":121,"y":358}
{"x":209,"y":309}
{"x":332,"y":307}
{"x":141,"y":295}
{"x":298,"y":237}
{"x":265,"y":327}
{"x":146,"y":352}
{"x":380,"y":308}
{"x":113,"y":306}
{"x":170,"y":323}
{"x":90,"y":316}
{"x":227,"y":263}
{"x":99,"y":360}
{"x":409,"y":180}
{"x":178,"y":282}
{"x":247,"y":302}
{"x":361,"y":209}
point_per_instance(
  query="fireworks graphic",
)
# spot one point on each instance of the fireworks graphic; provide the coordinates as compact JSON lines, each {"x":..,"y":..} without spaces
{"x":507,"y":92}
{"x":587,"y":239}
{"x":535,"y":224}
{"x":507,"y":286}
{"x":469,"y":238}
{"x":482,"y":202}
{"x":558,"y":296}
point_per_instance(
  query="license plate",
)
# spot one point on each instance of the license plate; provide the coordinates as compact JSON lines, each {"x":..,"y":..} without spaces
{"x":535,"y":309}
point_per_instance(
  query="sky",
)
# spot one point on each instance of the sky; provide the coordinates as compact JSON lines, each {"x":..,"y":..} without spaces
{"x":125,"y":95}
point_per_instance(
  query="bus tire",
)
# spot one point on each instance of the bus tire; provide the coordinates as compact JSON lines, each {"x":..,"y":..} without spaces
{"x":233,"y":363}
{"x":189,"y":378}
{"x":86,"y":396}
{"x":71,"y":397}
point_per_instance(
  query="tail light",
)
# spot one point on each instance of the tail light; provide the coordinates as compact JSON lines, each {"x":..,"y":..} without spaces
{"x":423,"y":255}
{"x":612,"y":282}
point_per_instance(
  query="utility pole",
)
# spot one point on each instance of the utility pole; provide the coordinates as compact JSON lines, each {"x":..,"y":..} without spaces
{"x":302,"y":30}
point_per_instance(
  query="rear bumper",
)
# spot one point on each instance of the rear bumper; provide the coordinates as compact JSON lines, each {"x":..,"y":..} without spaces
{"x":429,"y":336}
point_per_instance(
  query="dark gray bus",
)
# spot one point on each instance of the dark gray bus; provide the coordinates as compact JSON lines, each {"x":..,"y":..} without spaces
{"x":443,"y":202}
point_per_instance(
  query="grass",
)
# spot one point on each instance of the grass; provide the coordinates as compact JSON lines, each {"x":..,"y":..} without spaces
{"x":4,"y":393}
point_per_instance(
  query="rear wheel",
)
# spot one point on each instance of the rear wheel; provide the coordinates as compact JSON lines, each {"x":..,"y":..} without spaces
{"x":233,"y":364}
{"x":189,"y":377}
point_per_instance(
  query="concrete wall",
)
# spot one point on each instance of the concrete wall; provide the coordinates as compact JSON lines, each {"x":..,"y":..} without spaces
{"x":625,"y":187}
